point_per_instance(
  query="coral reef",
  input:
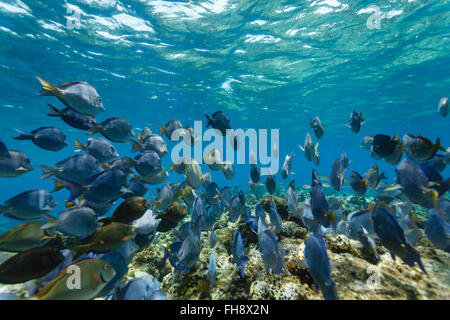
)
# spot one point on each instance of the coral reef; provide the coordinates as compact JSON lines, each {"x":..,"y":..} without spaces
{"x":356,"y":271}
{"x":357,"y":274}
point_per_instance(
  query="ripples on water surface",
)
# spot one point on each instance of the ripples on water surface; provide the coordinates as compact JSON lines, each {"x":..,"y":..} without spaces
{"x":267,"y":64}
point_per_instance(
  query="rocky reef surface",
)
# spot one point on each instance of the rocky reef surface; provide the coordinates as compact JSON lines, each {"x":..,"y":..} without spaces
{"x":356,"y":272}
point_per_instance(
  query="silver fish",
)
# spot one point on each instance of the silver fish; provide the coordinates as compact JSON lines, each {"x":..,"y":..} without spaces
{"x":78,"y":95}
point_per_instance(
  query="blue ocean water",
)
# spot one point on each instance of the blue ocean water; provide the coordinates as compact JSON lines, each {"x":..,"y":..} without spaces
{"x":266,"y":64}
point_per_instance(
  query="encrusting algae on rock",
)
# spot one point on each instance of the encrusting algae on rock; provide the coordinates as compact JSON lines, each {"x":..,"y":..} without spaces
{"x":357,"y":274}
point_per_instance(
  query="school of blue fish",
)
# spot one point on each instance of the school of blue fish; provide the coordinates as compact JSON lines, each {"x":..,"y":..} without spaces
{"x":44,"y":249}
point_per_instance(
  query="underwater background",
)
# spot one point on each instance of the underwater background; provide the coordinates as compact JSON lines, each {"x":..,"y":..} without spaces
{"x":265,"y":64}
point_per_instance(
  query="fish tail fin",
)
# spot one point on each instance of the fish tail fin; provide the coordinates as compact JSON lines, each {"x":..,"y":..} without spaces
{"x":332,"y":217}
{"x":364,"y":181}
{"x":79,"y":146}
{"x":172,"y":166}
{"x":438,"y":145}
{"x":95,"y":129}
{"x":283,"y":261}
{"x":70,"y":204}
{"x":434,"y":196}
{"x":414,"y":256}
{"x":155,"y":205}
{"x":31,"y":298}
{"x":135,"y":177}
{"x":166,"y":255}
{"x":46,"y":226}
{"x":80,"y":250}
{"x":55,"y":112}
{"x":179,"y":195}
{"x":202,"y":178}
{"x":162,"y":129}
{"x":58,"y":185}
{"x":208,"y":120}
{"x":50,"y":222}
{"x":75,"y":189}
{"x":2,"y":208}
{"x":48,"y":89}
{"x":419,"y":262}
{"x":23,"y":135}
{"x":329,"y":291}
{"x":241,"y":266}
{"x":361,"y":117}
{"x":47,"y":171}
{"x":136,"y":146}
{"x":106,"y":221}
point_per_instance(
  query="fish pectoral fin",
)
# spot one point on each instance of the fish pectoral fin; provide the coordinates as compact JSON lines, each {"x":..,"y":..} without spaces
{"x":403,"y":148}
{"x":155,"y":205}
{"x":21,"y":169}
{"x":95,"y":280}
{"x":204,"y":176}
{"x":46,"y":237}
{"x":393,"y":187}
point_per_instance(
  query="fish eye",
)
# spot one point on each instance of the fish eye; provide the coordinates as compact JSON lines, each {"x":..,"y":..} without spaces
{"x":107,"y":267}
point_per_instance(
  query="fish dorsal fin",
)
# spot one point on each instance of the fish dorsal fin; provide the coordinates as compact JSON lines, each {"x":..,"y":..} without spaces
{"x":67,"y":84}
